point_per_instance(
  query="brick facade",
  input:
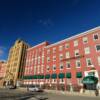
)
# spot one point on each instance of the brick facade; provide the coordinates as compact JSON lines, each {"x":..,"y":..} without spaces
{"x":65,"y":62}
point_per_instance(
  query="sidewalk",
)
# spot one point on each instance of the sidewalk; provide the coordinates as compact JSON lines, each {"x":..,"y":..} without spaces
{"x":22,"y":89}
{"x":87,"y":93}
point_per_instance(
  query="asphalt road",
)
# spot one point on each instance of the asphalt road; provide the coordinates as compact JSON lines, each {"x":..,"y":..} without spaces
{"x":15,"y":94}
{"x":69,"y":97}
{"x":6,"y":94}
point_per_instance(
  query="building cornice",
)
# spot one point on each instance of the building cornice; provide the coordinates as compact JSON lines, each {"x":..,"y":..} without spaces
{"x":75,"y":36}
{"x":37,"y":45}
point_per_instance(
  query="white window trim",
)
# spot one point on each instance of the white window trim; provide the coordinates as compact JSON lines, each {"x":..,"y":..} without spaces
{"x":68,"y":67}
{"x":66,"y":45}
{"x":67,"y":54}
{"x":98,"y":60}
{"x":54,"y":50}
{"x":54,"y":57}
{"x":75,"y":52}
{"x":83,"y":40}
{"x":76,"y":64}
{"x":88,"y":51}
{"x":53,"y":68}
{"x":75,"y":43}
{"x":60,"y":81}
{"x":60,"y":47}
{"x":96,"y":48}
{"x":87,"y":63}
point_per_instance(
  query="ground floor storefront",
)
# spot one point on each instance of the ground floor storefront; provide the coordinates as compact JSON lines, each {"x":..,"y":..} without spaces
{"x":53,"y":85}
{"x":65,"y":81}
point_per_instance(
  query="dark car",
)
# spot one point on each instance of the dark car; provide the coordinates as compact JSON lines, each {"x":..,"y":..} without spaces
{"x":11,"y":87}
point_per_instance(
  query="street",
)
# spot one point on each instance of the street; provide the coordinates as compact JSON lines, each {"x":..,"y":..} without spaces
{"x":17,"y":94}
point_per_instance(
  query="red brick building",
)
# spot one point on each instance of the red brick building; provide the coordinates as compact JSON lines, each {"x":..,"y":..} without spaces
{"x":64,"y":63}
{"x":35,"y":64}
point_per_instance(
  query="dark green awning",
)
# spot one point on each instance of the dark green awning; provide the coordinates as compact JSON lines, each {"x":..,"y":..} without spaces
{"x":47,"y":76}
{"x":90,"y":80}
{"x":54,"y":76}
{"x":30,"y":77}
{"x":27,"y":77}
{"x":40,"y":76}
{"x":61,"y":75}
{"x":35,"y":77}
{"x":68,"y":75}
{"x":79,"y":74}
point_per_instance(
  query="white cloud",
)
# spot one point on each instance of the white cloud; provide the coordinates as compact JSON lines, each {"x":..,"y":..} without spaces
{"x":46,"y":22}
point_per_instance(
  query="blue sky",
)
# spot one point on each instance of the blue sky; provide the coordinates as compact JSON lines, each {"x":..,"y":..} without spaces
{"x":35,"y":21}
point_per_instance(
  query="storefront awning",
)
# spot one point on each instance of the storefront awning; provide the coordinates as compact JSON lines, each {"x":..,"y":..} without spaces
{"x":90,"y":80}
{"x":61,"y":75}
{"x":79,"y":74}
{"x":54,"y":76}
{"x":68,"y":75}
{"x":47,"y":76}
{"x":40,"y":76}
{"x":35,"y":77}
{"x":27,"y":77}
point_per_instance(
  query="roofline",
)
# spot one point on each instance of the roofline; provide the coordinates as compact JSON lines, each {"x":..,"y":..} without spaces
{"x":37,"y":45}
{"x":73,"y":37}
{"x":3,"y":61}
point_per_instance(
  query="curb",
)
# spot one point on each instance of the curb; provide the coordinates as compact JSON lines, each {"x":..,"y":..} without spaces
{"x":91,"y":94}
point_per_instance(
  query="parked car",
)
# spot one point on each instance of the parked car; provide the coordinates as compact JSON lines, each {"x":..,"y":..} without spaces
{"x":11,"y":87}
{"x":34,"y":88}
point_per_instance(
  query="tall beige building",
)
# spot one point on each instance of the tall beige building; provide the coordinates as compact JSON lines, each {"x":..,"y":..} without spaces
{"x":16,"y":62}
{"x":3,"y":65}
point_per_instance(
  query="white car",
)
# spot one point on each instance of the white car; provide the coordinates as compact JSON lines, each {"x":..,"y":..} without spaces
{"x":33,"y":88}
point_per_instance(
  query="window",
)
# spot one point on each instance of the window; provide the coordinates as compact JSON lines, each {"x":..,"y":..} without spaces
{"x":54,"y":58}
{"x":76,"y":43}
{"x":54,"y":50}
{"x":38,"y":60}
{"x":98,"y":60}
{"x":42,"y":69}
{"x":48,"y":68}
{"x":34,"y":69}
{"x":43,"y":53}
{"x":79,"y":81}
{"x":48,"y":51}
{"x":76,"y":52}
{"x":35,"y":61}
{"x":54,"y":67}
{"x":85,"y":40}
{"x":48,"y":59}
{"x":98,"y":47}
{"x":43,"y":59}
{"x":95,"y":37}
{"x":60,"y":48}
{"x":68,"y":81}
{"x":68,"y":64}
{"x":91,"y":74}
{"x":61,"y":66}
{"x":61,"y":56}
{"x":54,"y":81}
{"x":67,"y":45}
{"x":78,"y":63}
{"x":87,"y":50}
{"x":62,"y":81}
{"x":88,"y":61}
{"x":38,"y":69}
{"x":14,"y":69}
{"x":67,"y":55}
